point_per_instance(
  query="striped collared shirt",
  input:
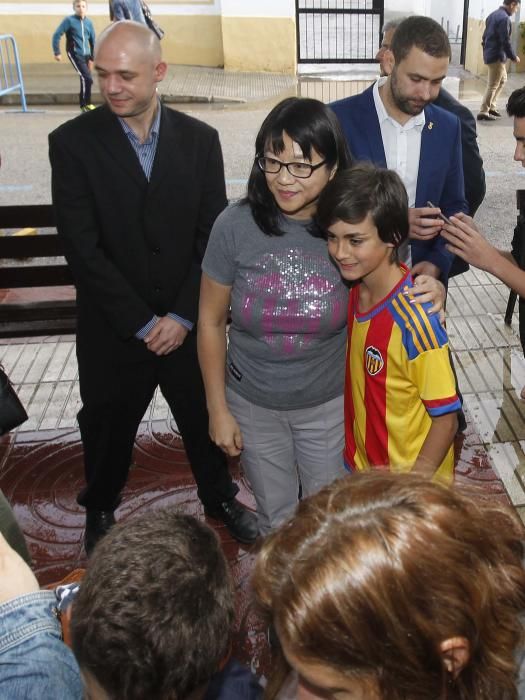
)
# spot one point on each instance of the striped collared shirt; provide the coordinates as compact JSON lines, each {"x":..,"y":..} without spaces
{"x":145,"y":151}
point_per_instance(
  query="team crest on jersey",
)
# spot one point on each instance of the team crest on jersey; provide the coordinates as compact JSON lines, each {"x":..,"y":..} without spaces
{"x":373,"y":360}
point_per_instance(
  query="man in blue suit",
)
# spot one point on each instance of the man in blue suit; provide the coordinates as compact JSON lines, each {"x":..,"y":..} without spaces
{"x":394,"y":124}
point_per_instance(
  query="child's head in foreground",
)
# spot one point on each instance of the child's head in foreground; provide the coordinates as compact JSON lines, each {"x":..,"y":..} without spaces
{"x":390,"y":587}
{"x":363,"y":212}
{"x":154,"y":612}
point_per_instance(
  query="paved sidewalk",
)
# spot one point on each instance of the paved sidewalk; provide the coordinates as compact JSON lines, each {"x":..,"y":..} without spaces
{"x":57,"y":84}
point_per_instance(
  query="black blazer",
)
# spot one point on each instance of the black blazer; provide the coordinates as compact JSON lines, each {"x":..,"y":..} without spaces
{"x":134,"y":246}
{"x":473,"y":172}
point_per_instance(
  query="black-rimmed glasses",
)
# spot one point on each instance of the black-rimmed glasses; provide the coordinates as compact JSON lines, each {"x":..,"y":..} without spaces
{"x":273,"y":166}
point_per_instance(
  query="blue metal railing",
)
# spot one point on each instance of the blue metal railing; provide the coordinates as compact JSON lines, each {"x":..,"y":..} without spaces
{"x":10,"y":71}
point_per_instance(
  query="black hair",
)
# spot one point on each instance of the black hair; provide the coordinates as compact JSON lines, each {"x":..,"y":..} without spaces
{"x":424,"y":33}
{"x":365,"y":189}
{"x":312,"y":125}
{"x":516,"y":103}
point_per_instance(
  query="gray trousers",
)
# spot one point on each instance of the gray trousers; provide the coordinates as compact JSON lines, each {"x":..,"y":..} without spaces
{"x":285,"y":450}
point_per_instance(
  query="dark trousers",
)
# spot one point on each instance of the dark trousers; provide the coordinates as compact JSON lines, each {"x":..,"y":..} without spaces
{"x":116,"y":391}
{"x":80,"y":64}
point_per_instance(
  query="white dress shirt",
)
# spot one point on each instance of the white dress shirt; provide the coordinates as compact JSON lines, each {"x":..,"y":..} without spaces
{"x":402,"y":146}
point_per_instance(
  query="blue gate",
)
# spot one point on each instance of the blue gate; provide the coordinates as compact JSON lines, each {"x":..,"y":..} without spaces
{"x":10,"y":71}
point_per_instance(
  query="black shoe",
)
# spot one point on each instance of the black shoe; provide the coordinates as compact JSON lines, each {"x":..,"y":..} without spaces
{"x":482,"y":117}
{"x":98,"y":524}
{"x":241,"y":523}
{"x":494,"y":113}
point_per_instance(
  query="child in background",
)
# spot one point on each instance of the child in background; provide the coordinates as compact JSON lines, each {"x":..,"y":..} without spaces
{"x":400,"y":395}
{"x":80,"y":43}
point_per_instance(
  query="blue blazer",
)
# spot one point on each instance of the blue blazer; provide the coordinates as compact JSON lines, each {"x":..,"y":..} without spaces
{"x":440,"y":176}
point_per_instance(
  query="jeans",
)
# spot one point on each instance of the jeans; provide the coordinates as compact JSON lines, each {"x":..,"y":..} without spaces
{"x":34,"y":661}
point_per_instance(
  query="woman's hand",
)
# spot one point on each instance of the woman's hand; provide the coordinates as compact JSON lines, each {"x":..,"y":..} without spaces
{"x":429,"y":289}
{"x":225,"y":432}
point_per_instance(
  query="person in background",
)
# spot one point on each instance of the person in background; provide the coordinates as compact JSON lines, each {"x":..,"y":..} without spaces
{"x":392,"y":587}
{"x":467,"y":242}
{"x":136,"y":188}
{"x":400,"y":394}
{"x":394,"y":124}
{"x":126,"y":9}
{"x":473,"y":173}
{"x":80,"y":44}
{"x":497,"y":50}
{"x":275,"y":391}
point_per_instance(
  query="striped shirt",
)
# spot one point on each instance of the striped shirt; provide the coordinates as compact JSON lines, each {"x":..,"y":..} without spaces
{"x":398,"y":377}
{"x":146,"y":154}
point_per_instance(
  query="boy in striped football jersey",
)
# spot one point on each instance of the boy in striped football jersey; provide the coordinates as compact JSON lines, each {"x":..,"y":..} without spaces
{"x":400,"y":393}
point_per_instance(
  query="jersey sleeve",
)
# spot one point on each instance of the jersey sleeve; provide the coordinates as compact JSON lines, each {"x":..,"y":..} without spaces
{"x":429,"y":364}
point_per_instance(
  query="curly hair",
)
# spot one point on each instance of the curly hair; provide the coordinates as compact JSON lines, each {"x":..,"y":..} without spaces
{"x":155,"y":608}
{"x":376,"y":570}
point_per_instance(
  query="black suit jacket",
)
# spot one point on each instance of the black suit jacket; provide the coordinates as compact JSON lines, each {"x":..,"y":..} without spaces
{"x":134,"y":246}
{"x":473,"y":172}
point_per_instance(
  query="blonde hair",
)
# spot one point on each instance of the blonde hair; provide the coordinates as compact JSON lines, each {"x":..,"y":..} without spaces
{"x":376,"y":570}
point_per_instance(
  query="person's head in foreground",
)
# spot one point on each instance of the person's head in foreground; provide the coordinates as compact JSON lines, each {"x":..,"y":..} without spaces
{"x":363,"y":212}
{"x":154,"y":612}
{"x":299,"y":148}
{"x":390,"y":587}
{"x":516,"y":109}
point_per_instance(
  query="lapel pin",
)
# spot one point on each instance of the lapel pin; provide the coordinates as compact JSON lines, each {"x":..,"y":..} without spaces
{"x":430,"y":125}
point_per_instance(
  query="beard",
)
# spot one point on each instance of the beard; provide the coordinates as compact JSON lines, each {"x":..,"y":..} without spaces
{"x":406,"y":104}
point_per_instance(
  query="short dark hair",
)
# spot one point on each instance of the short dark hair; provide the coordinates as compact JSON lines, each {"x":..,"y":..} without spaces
{"x":516,"y":103}
{"x":424,"y":33}
{"x":155,"y":609}
{"x":511,"y":2}
{"x":311,"y":124}
{"x":365,"y":189}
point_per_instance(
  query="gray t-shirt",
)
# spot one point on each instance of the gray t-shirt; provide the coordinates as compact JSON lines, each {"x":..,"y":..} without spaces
{"x":287,"y":339}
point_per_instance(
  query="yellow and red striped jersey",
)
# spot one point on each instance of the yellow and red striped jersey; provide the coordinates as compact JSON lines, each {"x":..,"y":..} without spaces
{"x":398,"y":376}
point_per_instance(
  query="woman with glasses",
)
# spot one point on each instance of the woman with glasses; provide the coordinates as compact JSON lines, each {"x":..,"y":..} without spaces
{"x":275,"y":393}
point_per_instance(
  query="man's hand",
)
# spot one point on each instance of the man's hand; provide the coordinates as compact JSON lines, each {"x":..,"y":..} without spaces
{"x":58,"y":57}
{"x":90,"y":66}
{"x":166,"y":336}
{"x":425,"y":268}
{"x":225,"y":432}
{"x":422,"y":223}
{"x":466,"y":241}
{"x":16,"y":578}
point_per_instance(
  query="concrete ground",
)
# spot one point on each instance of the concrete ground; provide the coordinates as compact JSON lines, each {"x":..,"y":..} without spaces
{"x":487,"y":353}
